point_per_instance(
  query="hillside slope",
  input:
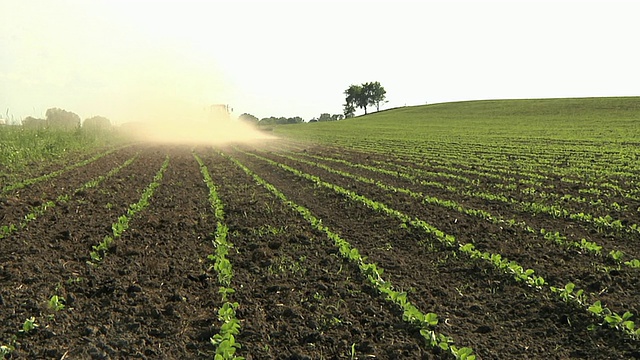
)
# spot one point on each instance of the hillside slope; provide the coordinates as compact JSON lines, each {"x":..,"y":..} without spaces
{"x":609,"y":119}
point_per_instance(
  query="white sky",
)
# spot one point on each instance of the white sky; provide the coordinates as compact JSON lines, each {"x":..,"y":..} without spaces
{"x":138,"y":60}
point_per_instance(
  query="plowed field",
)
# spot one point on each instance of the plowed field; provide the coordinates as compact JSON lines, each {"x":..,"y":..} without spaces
{"x":154,"y":293}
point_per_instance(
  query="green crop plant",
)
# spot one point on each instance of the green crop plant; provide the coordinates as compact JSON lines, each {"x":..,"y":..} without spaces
{"x":224,"y":342}
{"x":225,"y":292}
{"x":7,"y":229}
{"x":568,"y":295}
{"x":56,"y":303}
{"x":6,"y":350}
{"x":634,"y":263}
{"x":616,"y":256}
{"x":29,"y":325}
{"x":464,"y":353}
{"x":615,"y":320}
{"x":589,"y":246}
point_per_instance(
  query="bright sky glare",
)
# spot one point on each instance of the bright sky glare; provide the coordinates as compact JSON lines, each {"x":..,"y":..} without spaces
{"x":143,"y":59}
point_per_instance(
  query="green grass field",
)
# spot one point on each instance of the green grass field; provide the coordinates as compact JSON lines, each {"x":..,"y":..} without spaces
{"x":586,"y":119}
{"x":23,"y":150}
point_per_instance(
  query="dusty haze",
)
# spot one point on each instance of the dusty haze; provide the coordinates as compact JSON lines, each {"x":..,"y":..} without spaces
{"x":208,"y":126}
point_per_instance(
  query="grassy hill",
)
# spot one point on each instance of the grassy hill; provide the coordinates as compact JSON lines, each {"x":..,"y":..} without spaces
{"x":612,"y":119}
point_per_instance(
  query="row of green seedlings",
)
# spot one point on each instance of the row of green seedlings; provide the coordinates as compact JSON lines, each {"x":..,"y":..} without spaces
{"x":604,"y":315}
{"x":426,"y":323}
{"x":519,"y":273}
{"x":509,"y":267}
{"x":591,"y":187}
{"x":28,"y":182}
{"x":41,"y":209}
{"x":601,"y":223}
{"x":555,"y":237}
{"x":225,"y":341}
{"x":448,"y":149}
{"x":511,"y":183}
{"x":120,"y":226}
{"x":505,"y":173}
{"x":499,"y":164}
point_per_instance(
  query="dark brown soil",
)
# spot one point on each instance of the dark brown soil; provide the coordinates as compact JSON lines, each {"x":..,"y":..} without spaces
{"x":155,"y":295}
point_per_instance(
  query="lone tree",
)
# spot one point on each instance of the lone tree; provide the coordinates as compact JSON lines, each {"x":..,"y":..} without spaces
{"x":361,"y":96}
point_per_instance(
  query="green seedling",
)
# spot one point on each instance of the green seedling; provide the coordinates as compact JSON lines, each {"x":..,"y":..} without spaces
{"x":5,"y":350}
{"x":616,"y":255}
{"x":567,"y":294}
{"x":28,"y":325}
{"x":56,"y":303}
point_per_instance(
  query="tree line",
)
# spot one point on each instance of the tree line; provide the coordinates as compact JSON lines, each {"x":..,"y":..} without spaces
{"x":357,"y":96}
{"x":251,"y":119}
{"x":60,"y":119}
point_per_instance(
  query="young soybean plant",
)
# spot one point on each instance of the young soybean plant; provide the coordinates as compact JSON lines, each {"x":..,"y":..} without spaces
{"x":56,"y":303}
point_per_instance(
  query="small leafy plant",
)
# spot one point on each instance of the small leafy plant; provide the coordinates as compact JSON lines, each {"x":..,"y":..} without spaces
{"x":56,"y":303}
{"x":29,"y":325}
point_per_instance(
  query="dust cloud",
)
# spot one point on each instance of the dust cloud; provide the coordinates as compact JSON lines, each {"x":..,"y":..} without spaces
{"x":165,"y":97}
{"x":213,"y":125}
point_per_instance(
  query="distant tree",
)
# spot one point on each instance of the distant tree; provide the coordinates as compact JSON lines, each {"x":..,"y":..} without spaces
{"x":34,"y":123}
{"x":281,"y":120}
{"x":361,"y":96}
{"x":374,"y":93}
{"x":325,"y":117}
{"x":349,"y":110}
{"x":96,"y":123}
{"x":354,"y":99}
{"x":329,"y":117}
{"x":249,"y":119}
{"x":62,"y":120}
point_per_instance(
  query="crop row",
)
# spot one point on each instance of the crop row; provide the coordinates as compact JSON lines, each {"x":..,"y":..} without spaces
{"x":224,"y":342}
{"x":602,"y":224}
{"x":510,"y":267}
{"x":505,"y":187}
{"x":556,"y":237}
{"x":120,"y":226}
{"x":41,"y":209}
{"x":424,"y":322}
{"x":53,"y":174}
{"x":572,"y":160}
{"x":601,"y":182}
